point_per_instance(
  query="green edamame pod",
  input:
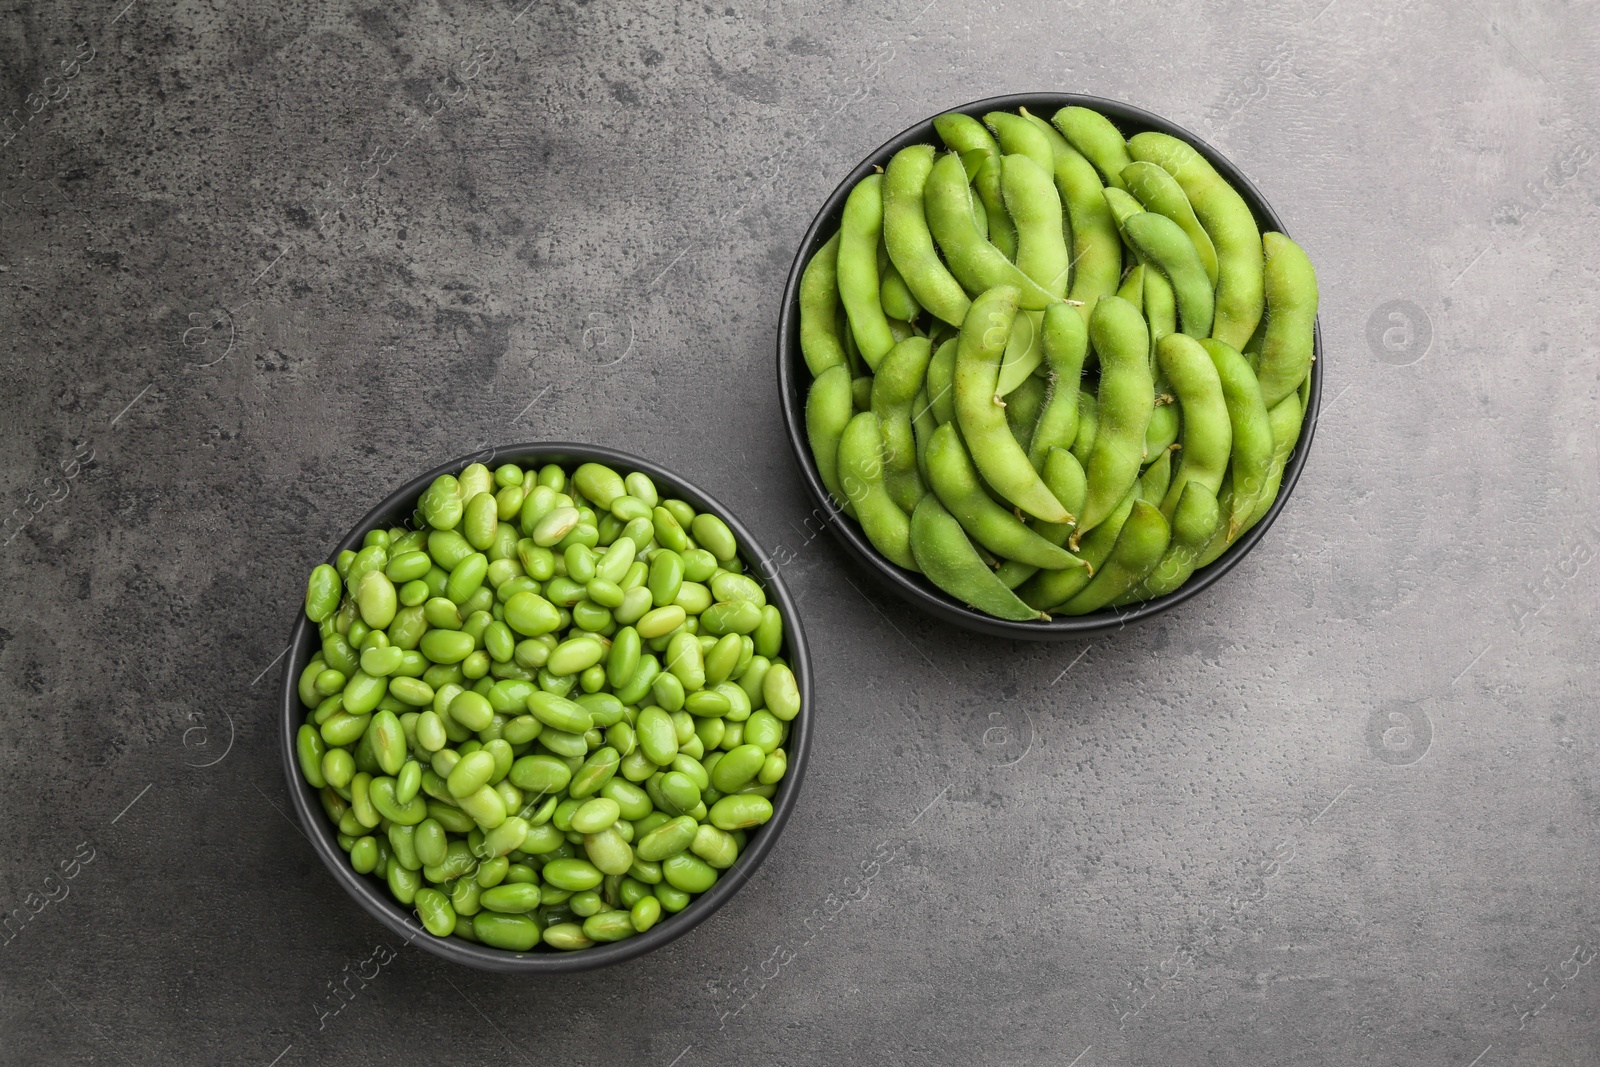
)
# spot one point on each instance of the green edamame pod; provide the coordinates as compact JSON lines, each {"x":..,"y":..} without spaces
{"x":894,"y":388}
{"x":1158,"y":191}
{"x":1024,"y":352}
{"x":1096,"y":247}
{"x":896,"y":298}
{"x":1240,"y":296}
{"x":950,"y":562}
{"x":861,"y":466}
{"x":955,"y":481}
{"x":941,"y":382}
{"x":1160,"y":305}
{"x":910,"y":242}
{"x":1024,"y":404}
{"x":857,"y":269}
{"x":1065,"y":343}
{"x":1034,"y":206}
{"x":1066,"y":480}
{"x":1194,"y":522}
{"x":861,"y":393}
{"x":819,"y":310}
{"x":1286,"y":341}
{"x":1047,"y":589}
{"x":1125,"y":401}
{"x":981,"y":415}
{"x":1093,"y":135}
{"x":1139,"y":547}
{"x":1207,"y":432}
{"x":1286,"y":418}
{"x":1161,"y":243}
{"x":963,"y":133}
{"x":1122,"y":207}
{"x":1088,"y":422}
{"x":1132,"y":287}
{"x":1155,"y":479}
{"x":1164,"y":422}
{"x":829,"y":408}
{"x":1017,"y":136}
{"x":976,"y":263}
{"x":1002,"y":231}
{"x":922,"y":426}
{"x":1251,"y":463}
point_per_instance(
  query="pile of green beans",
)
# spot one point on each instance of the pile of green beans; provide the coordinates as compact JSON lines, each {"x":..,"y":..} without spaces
{"x":550,"y":709}
{"x":1054,"y":369}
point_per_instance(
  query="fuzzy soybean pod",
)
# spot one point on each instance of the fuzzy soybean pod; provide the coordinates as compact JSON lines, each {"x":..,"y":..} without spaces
{"x":1088,"y":419}
{"x":963,"y":133}
{"x":1155,"y":479}
{"x":1096,"y":248}
{"x":1286,"y":417}
{"x":910,"y":243}
{"x":1017,"y":136}
{"x":1002,"y":231}
{"x":981,"y":414}
{"x":1066,"y":342}
{"x":1165,"y":422}
{"x":1158,"y":191}
{"x":1031,"y":199}
{"x":941,"y":382}
{"x":947,"y":557}
{"x":1047,"y":589}
{"x":1139,"y":548}
{"x":955,"y":482}
{"x":1064,"y":475}
{"x":1093,"y":135}
{"x":1194,"y":522}
{"x":1121,"y":205}
{"x":859,"y":233}
{"x":829,"y":408}
{"x":1251,"y":463}
{"x":894,"y":390}
{"x":1286,"y":342}
{"x":922,"y":426}
{"x":1240,"y":297}
{"x":1024,"y":405}
{"x":896,"y":299}
{"x":1125,"y":400}
{"x":1207,"y":436}
{"x":1160,"y":305}
{"x":861,"y":467}
{"x":976,"y":263}
{"x":1162,"y":244}
{"x":1024,"y":352}
{"x":1132,"y":287}
{"x":819,"y":310}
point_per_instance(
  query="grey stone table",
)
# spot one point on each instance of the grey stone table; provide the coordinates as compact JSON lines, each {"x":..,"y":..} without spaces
{"x":261,"y":261}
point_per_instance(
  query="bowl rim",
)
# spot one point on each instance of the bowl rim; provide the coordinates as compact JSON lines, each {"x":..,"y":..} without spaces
{"x":375,"y":899}
{"x":914,"y":588}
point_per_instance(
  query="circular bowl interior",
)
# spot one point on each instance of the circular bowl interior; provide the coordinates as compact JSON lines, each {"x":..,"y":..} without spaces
{"x":794,"y":380}
{"x":374,"y":896}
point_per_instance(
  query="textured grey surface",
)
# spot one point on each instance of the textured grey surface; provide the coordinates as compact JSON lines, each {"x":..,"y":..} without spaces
{"x":264,"y":260}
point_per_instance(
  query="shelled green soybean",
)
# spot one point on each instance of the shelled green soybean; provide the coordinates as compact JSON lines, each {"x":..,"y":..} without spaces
{"x":550,"y":710}
{"x":1054,"y":369}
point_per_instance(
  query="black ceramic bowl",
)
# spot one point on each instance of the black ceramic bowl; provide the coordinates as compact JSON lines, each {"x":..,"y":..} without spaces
{"x":374,"y":896}
{"x":794,"y":380}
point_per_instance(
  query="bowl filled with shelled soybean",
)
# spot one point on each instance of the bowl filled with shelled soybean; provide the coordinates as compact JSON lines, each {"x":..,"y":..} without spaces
{"x":1049,"y":365}
{"x":543,"y":713}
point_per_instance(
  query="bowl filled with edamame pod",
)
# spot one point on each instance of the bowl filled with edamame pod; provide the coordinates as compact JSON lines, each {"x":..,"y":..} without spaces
{"x":540,"y":714}
{"x":1049,"y":365}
